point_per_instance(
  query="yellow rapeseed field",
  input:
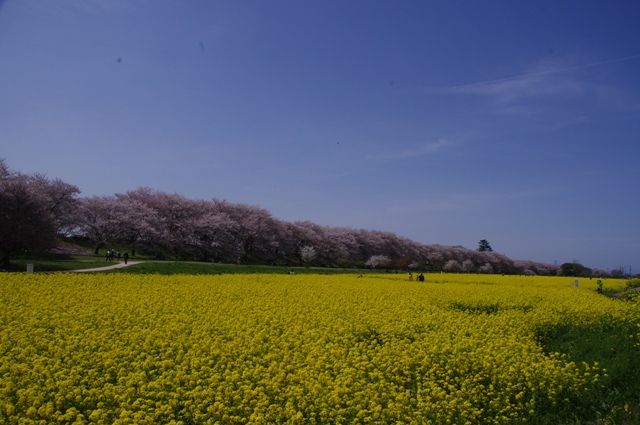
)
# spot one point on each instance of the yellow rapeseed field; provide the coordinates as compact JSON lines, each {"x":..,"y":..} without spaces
{"x":149,"y":349}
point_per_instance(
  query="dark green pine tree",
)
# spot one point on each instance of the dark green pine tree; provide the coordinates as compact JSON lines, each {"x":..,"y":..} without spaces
{"x":484,"y":246}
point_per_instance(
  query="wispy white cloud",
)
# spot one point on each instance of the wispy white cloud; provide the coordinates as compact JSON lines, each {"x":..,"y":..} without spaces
{"x":545,"y":79}
{"x":420,"y":150}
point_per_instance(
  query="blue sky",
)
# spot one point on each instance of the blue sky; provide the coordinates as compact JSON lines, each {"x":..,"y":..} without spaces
{"x":446,"y":122}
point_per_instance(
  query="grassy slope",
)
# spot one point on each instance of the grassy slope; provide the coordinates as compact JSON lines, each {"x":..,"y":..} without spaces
{"x":62,"y":262}
{"x":56,"y":262}
{"x":192,"y":267}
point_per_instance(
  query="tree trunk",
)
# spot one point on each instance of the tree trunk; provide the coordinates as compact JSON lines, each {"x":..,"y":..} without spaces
{"x":97,"y":250}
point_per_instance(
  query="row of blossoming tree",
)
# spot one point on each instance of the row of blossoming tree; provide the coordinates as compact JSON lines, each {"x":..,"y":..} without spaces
{"x":34,"y":210}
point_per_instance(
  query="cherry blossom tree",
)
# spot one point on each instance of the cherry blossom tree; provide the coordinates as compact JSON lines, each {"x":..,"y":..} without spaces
{"x":214,"y":230}
{"x":378,"y":261}
{"x":486,"y":268}
{"x":307,"y":254}
{"x":34,"y":211}
{"x":468,"y":266}
{"x":452,"y":266}
{"x":97,"y":220}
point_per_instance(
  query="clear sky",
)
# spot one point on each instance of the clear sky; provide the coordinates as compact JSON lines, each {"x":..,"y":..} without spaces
{"x":446,"y":122}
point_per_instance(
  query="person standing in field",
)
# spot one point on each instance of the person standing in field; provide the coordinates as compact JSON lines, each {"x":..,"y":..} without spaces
{"x":599,"y":286}
{"x":421,"y":278}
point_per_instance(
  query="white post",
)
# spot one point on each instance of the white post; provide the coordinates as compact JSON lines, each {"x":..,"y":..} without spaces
{"x":29,"y":268}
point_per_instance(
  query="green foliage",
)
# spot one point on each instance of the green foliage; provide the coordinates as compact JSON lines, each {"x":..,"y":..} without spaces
{"x":575,"y":269}
{"x":484,"y":246}
{"x":614,"y":346}
{"x":633,"y":283}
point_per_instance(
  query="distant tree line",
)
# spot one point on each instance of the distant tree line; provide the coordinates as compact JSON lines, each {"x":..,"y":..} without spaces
{"x":171,"y":225}
{"x":34,"y":210}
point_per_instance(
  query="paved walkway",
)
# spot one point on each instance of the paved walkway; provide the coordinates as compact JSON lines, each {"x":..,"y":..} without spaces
{"x":120,"y":265}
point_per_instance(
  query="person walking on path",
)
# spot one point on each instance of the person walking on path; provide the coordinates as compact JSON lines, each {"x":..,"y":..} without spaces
{"x":126,"y":257}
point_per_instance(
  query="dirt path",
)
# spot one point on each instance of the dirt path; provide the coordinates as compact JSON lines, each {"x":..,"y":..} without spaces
{"x":120,"y":265}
